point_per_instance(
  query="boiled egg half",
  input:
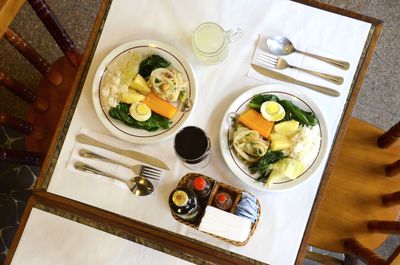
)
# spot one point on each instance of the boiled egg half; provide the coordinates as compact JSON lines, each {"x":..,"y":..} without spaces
{"x":272,"y":111}
{"x":140,"y":111}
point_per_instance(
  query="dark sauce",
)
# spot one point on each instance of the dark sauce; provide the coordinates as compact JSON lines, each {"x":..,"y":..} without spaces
{"x":191,"y":143}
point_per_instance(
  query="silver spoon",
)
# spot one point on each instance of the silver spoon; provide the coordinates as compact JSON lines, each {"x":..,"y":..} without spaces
{"x":280,"y":45}
{"x":138,"y":185}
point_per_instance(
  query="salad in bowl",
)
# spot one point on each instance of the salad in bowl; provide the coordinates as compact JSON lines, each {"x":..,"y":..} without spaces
{"x":144,"y":91}
{"x":274,"y":138}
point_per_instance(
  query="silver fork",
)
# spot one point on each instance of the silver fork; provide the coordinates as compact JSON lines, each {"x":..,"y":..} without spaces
{"x":141,"y":170}
{"x":272,"y":61}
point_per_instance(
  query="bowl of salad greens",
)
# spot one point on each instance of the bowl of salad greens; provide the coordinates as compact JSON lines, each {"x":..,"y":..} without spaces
{"x":273,"y":138}
{"x":144,"y":91}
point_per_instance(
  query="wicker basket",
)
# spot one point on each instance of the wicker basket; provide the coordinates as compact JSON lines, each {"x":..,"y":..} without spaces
{"x":216,"y":187}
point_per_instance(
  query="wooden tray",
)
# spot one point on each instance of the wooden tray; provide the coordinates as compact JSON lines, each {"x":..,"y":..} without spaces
{"x":216,"y":187}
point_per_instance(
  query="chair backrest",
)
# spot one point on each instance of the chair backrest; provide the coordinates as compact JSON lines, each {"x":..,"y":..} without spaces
{"x":50,"y":95}
{"x":360,"y":204}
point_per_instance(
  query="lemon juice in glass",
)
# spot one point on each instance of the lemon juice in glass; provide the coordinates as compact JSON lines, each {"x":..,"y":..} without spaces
{"x":210,"y":42}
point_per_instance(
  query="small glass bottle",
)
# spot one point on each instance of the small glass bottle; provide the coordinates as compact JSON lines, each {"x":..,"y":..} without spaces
{"x":183,"y":202}
{"x":223,"y":201}
{"x":201,"y":186}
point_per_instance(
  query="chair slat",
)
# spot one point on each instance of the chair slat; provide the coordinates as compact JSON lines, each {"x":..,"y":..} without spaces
{"x":387,"y":227}
{"x":391,"y":199}
{"x":393,"y":170}
{"x":362,"y":252}
{"x":33,"y":57}
{"x":23,"y":92}
{"x":56,"y":30}
{"x":22,"y":126}
{"x":20,"y":157}
{"x":16,"y":123}
{"x":389,"y":137}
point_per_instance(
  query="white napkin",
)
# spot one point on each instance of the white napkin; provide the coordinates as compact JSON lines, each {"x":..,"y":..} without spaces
{"x":296,"y":59}
{"x":114,"y":169}
{"x":224,"y":224}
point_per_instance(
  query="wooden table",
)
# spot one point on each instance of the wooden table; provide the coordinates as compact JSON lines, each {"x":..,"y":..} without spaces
{"x":135,"y":230}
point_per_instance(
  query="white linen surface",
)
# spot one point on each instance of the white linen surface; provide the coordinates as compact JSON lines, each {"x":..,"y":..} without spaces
{"x":49,"y":239}
{"x":284,"y":214}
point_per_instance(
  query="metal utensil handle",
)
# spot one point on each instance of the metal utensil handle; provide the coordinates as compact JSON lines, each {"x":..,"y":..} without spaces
{"x":84,"y":139}
{"x":339,"y":64}
{"x":89,"y":140}
{"x":338,"y":80}
{"x":89,"y":154}
{"x":84,"y":167}
{"x":322,"y":89}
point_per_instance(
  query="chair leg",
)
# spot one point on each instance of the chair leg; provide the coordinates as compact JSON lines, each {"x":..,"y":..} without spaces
{"x":33,"y":57}
{"x":56,"y":30}
{"x":393,"y":169}
{"x":366,"y":255}
{"x":386,"y":227}
{"x":391,"y":199}
{"x":389,"y":137}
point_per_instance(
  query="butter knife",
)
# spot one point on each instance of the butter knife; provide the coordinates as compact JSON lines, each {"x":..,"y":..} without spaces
{"x":288,"y":79}
{"x":84,"y":139}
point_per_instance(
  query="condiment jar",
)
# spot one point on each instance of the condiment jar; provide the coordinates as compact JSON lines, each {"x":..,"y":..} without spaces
{"x":223,"y":201}
{"x":183,"y":202}
{"x":201,"y":186}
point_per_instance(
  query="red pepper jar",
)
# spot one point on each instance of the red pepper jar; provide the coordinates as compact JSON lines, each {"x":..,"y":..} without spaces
{"x":223,"y":201}
{"x":201,"y":186}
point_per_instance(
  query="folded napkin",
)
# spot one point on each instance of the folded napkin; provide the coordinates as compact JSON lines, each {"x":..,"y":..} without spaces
{"x":111,"y":168}
{"x":224,"y":224}
{"x":297,"y":59}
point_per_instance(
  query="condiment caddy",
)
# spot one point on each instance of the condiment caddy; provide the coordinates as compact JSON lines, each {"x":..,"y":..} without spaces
{"x":196,"y":192}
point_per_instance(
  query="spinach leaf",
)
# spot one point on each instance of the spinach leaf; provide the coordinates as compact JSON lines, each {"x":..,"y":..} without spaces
{"x":150,"y":63}
{"x":263,"y":165}
{"x":155,"y":122}
{"x":258,"y":100}
{"x":295,"y":113}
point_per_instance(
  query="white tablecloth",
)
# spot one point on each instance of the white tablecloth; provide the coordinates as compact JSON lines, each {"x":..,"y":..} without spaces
{"x":50,"y":239}
{"x":284,"y":214}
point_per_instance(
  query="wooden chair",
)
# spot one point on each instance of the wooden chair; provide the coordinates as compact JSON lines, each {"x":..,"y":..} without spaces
{"x":360,"y":207}
{"x":48,"y":99}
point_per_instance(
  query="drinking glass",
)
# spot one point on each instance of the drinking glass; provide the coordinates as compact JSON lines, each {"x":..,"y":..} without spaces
{"x":210,"y":42}
{"x":193,"y":147}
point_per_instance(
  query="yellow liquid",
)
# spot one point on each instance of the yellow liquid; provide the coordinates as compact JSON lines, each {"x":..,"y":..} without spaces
{"x":209,"y":43}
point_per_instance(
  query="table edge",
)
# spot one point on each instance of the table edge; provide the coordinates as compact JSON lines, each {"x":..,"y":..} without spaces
{"x":55,"y":147}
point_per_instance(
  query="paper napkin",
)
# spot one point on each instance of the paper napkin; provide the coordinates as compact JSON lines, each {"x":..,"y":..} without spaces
{"x":297,"y":59}
{"x":111,"y":168}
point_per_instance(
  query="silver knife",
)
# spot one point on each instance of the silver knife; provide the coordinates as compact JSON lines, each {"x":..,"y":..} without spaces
{"x":288,"y":79}
{"x":84,"y":139}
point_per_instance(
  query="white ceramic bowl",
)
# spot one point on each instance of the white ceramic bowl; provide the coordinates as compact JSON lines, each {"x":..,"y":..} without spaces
{"x":145,"y":47}
{"x":238,"y":167}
